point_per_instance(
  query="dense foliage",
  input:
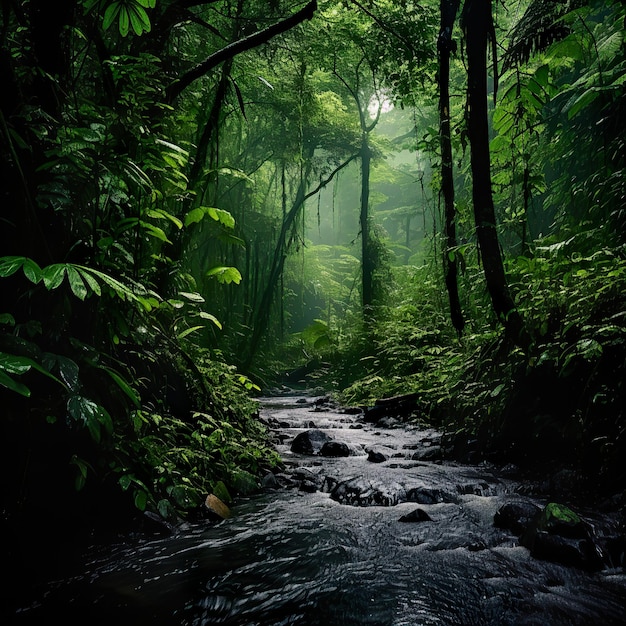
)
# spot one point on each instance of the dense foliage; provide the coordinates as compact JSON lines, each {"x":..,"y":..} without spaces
{"x":200,"y":196}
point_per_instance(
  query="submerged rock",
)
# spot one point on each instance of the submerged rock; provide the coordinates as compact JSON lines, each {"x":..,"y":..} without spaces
{"x":416,"y":515}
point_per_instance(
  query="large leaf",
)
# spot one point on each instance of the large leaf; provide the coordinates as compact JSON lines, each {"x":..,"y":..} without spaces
{"x":31,"y":270}
{"x":219,"y":215}
{"x":76,"y":282}
{"x":211,"y":318}
{"x":10,"y":264}
{"x":53,"y":275}
{"x":225,"y":274}
{"x":13,"y":385}
{"x":160,"y":214}
{"x":92,"y":415}
{"x":188,"y":331}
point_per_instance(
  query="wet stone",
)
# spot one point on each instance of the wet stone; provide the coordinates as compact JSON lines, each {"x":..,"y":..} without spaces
{"x":430,"y":453}
{"x":376,"y":457}
{"x":335,"y":449}
{"x":360,"y":491}
{"x":426,"y":495}
{"x":308,"y":486}
{"x":516,"y":516}
{"x":416,"y":515}
{"x":309,"y":442}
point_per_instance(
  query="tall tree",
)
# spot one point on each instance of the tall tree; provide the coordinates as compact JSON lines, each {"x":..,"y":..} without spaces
{"x":367,"y":124}
{"x":445,"y":42}
{"x":479,"y":31}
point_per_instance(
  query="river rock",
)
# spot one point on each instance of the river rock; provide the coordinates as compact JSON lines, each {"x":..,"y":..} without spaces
{"x":335,"y":449}
{"x":361,"y":491}
{"x":309,"y":442}
{"x":427,"y":495}
{"x":558,"y":534}
{"x":216,"y":507}
{"x":429,"y":453}
{"x":398,"y":407}
{"x":376,"y":457}
{"x":308,"y":486}
{"x":416,"y":515}
{"x":516,"y":516}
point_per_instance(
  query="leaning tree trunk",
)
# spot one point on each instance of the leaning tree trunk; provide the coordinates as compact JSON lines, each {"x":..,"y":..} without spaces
{"x":448,"y":9}
{"x":478,"y":27}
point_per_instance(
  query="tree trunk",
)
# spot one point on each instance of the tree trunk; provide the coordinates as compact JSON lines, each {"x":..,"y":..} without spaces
{"x":449,"y":10}
{"x":477,"y":25}
{"x":367,"y":261}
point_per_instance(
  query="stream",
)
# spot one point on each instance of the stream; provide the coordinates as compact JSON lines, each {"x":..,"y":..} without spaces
{"x":314,"y":554}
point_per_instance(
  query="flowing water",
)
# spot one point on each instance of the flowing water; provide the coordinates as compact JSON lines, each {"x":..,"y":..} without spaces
{"x":293,"y":556}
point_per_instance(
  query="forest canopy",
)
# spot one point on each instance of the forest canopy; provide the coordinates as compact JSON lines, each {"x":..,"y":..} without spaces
{"x":206,"y":200}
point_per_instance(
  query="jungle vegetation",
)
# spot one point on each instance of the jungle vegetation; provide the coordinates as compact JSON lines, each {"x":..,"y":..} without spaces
{"x":203,"y":200}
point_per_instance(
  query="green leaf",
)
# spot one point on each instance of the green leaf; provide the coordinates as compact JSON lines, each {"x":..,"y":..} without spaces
{"x":139,"y":19}
{"x":235,"y":173}
{"x":76,"y":282}
{"x":155,"y":231}
{"x":110,"y":14}
{"x":141,"y":500}
{"x":13,"y":385}
{"x":15,"y":364}
{"x":172,"y":146}
{"x":10,"y":264}
{"x":497,"y":391}
{"x":53,"y":275}
{"x":122,"y":291}
{"x":124,"y":386}
{"x":7,"y":318}
{"x":90,"y":281}
{"x":578,"y":103}
{"x":569,"y":47}
{"x":31,"y":270}
{"x":189,"y":331}
{"x":221,"y":216}
{"x":193,"y":296}
{"x":91,"y":415}
{"x":220,"y":490}
{"x":69,"y":372}
{"x":225,"y":275}
{"x":124,"y":21}
{"x":194,"y":216}
{"x":230,"y":239}
{"x":211,"y":318}
{"x":125,"y":481}
{"x":160,"y":214}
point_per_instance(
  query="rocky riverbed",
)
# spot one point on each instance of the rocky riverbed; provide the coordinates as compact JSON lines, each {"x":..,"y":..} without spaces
{"x":365,"y":524}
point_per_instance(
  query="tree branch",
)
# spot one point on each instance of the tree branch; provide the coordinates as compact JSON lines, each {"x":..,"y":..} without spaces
{"x":325,"y":182}
{"x":241,"y":45}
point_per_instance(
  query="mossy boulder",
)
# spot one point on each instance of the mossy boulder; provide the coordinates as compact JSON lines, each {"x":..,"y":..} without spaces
{"x":560,"y":535}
